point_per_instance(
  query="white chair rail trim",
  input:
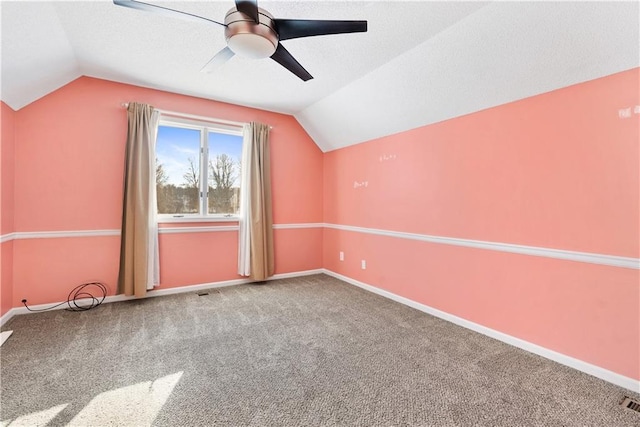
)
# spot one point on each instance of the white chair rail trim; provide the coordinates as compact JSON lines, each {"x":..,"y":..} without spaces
{"x":586,"y":257}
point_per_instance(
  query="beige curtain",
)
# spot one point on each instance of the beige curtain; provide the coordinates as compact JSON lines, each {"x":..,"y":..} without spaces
{"x":139,"y":263}
{"x":255,"y":256}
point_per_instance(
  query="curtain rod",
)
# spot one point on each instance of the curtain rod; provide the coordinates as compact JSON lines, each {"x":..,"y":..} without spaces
{"x":195,"y":117}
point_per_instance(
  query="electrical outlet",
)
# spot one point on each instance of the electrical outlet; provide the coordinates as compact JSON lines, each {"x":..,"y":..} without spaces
{"x":364,"y":264}
{"x":341,"y":256}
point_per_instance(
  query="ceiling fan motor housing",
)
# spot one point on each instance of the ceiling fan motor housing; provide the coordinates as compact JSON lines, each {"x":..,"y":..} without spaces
{"x":249,"y":39}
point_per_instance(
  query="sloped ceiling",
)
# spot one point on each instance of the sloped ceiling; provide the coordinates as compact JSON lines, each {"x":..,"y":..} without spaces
{"x":419,"y":63}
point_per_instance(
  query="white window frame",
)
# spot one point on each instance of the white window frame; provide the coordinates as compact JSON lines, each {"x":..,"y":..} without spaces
{"x":204,"y":127}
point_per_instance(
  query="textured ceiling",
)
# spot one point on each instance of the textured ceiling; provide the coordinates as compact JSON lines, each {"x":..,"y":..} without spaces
{"x":419,"y":63}
{"x":501,"y":53}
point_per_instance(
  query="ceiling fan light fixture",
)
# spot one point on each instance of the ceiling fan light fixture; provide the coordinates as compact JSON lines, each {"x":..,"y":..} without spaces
{"x":251,"y":46}
{"x":249,"y":39}
{"x":252,"y":32}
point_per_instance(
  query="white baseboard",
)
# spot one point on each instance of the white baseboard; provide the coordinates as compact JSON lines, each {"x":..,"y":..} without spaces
{"x":596,"y":371}
{"x":7,"y":316}
{"x":161,"y":292}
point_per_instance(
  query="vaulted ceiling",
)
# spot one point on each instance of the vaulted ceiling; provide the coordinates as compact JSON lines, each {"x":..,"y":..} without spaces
{"x":419,"y":63}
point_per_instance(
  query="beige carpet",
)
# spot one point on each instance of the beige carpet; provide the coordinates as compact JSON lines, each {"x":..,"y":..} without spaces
{"x":309,"y":351}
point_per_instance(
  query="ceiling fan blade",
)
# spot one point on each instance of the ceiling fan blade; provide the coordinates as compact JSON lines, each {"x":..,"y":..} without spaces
{"x":220,"y":58}
{"x":284,"y":58}
{"x":295,"y":28}
{"x":133,"y":4}
{"x":249,"y":8}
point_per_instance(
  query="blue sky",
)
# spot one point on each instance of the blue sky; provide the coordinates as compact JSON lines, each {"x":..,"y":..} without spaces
{"x":174,"y":146}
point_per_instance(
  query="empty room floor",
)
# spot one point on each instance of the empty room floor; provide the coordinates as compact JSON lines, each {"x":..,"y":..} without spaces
{"x":308,"y":351}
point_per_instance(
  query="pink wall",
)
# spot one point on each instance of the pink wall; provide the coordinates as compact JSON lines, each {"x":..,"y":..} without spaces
{"x":69,"y":174}
{"x":7,"y":141}
{"x":558,"y":170}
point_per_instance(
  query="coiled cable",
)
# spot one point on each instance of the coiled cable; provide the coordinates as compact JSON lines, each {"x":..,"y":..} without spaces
{"x":79,"y":294}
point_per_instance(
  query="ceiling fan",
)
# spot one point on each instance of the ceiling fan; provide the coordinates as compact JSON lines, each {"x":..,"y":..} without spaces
{"x":252,"y":32}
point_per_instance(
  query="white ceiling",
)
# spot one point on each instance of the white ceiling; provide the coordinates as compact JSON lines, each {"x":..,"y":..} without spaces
{"x":419,"y":63}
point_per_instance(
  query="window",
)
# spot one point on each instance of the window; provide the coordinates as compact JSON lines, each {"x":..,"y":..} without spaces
{"x":198,"y":169}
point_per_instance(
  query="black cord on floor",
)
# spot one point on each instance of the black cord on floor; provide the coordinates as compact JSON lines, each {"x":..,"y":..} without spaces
{"x":77,"y":295}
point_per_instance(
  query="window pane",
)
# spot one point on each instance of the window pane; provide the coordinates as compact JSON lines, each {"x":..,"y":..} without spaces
{"x":178,"y":170}
{"x":225,"y":152}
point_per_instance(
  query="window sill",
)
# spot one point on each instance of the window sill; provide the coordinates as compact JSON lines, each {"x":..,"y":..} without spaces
{"x":183,"y":219}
